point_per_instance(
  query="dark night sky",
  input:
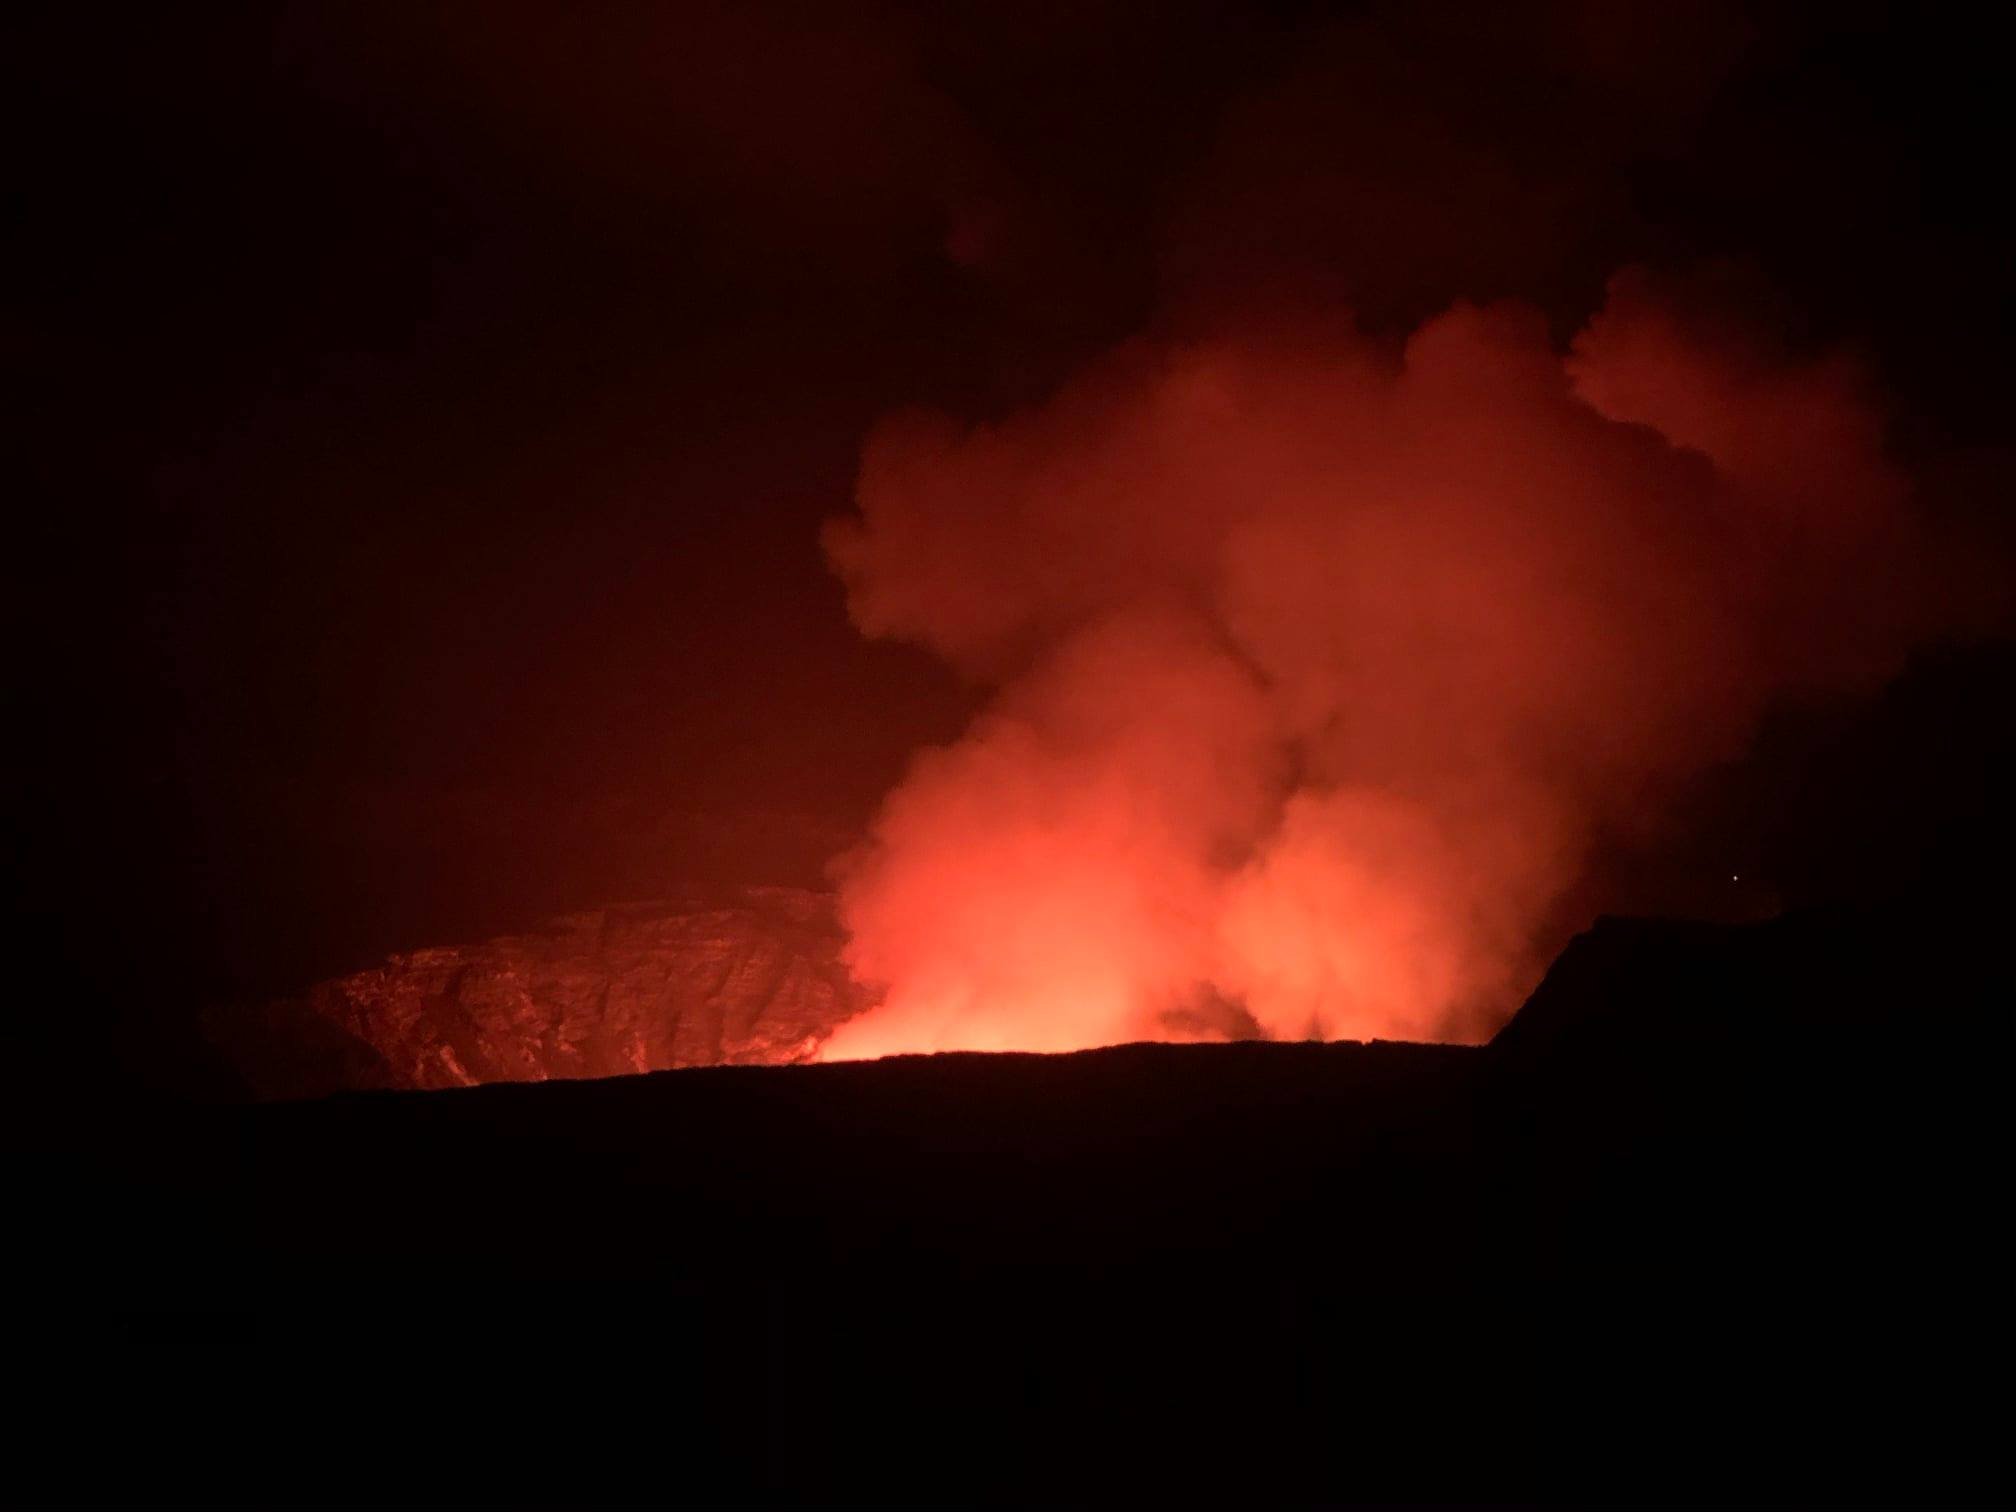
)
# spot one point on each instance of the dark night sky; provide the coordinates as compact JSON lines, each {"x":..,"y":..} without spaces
{"x":427,"y":412}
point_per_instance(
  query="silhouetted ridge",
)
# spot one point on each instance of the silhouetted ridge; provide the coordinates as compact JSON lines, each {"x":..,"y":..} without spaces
{"x":1682,"y":987}
{"x":1722,"y":1207}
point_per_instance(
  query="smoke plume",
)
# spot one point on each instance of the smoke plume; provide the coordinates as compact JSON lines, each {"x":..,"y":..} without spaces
{"x":1318,"y":666}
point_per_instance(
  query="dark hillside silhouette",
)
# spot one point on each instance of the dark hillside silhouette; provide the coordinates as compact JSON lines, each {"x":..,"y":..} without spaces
{"x":1720,"y":1209}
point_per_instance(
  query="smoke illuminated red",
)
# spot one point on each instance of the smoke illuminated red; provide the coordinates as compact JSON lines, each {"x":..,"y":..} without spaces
{"x":1318,"y":666}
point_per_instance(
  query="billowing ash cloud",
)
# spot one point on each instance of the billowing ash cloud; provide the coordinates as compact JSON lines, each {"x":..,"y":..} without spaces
{"x":1319,"y":666}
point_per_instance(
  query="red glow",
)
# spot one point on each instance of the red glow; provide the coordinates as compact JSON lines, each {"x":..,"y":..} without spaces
{"x":1317,"y":669}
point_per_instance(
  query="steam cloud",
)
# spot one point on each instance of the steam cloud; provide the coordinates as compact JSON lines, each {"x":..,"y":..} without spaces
{"x":1317,"y":667}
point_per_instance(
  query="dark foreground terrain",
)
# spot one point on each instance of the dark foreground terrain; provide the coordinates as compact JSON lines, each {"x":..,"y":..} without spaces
{"x":1721,"y":1213}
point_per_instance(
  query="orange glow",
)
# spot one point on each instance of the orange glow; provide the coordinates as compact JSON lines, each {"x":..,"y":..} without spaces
{"x":1317,"y":668}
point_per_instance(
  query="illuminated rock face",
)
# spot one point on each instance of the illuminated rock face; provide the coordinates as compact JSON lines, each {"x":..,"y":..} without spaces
{"x":753,"y":979}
